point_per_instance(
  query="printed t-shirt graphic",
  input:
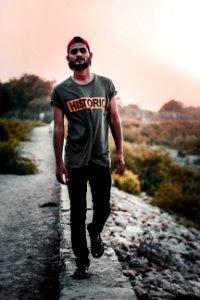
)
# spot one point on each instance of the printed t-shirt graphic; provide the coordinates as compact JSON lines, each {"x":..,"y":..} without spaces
{"x":84,"y":103}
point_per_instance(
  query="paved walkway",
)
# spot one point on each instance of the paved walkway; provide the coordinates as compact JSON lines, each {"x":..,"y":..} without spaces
{"x":29,"y":233}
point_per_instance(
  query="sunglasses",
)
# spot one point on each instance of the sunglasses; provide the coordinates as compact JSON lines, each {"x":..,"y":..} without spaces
{"x":74,"y":51}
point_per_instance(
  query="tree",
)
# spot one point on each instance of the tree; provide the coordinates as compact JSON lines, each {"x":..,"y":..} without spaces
{"x":172,"y":106}
{"x":7,"y":99}
{"x":17,"y":94}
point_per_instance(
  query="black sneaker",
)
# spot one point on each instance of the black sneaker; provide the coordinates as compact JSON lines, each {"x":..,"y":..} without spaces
{"x":97,"y":246}
{"x":81,"y":272}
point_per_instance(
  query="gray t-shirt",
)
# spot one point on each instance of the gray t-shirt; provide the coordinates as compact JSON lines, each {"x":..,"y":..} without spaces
{"x":86,"y":109}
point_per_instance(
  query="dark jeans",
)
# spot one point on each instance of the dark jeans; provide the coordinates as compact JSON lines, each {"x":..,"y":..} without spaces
{"x":100,"y":182}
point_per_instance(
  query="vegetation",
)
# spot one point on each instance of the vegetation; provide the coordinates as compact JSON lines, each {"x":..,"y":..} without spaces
{"x":26,"y":98}
{"x":150,"y":165}
{"x":172,"y":187}
{"x":127,"y":182}
{"x":183,"y":136}
{"x":172,"y":106}
{"x":12,"y":132}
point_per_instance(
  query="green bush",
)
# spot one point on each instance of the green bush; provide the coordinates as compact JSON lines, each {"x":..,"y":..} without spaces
{"x":4,"y":132}
{"x":180,"y":192}
{"x":168,"y":196}
{"x":174,"y":188}
{"x":12,"y":163}
{"x":128,"y":182}
{"x":185,"y":176}
{"x":149,"y":164}
{"x":181,"y":135}
{"x":14,"y":128}
{"x":13,"y":131}
{"x":172,"y":197}
{"x":17,"y":129}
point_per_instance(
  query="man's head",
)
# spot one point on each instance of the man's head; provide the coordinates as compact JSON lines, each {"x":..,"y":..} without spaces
{"x":78,"y":54}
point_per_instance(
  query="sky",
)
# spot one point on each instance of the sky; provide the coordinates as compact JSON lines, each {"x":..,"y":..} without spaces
{"x":149,"y":48}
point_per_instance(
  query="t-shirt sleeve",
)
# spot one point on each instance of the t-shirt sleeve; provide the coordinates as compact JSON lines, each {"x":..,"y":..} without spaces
{"x":112,"y":90}
{"x":55,"y":99}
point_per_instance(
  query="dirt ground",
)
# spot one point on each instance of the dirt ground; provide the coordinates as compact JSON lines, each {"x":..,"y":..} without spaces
{"x":29,"y":234}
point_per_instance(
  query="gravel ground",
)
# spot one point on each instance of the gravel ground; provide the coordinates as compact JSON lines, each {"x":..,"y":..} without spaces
{"x":29,"y":234}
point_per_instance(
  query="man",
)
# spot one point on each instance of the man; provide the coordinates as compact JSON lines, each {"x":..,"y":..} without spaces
{"x":88,"y":101}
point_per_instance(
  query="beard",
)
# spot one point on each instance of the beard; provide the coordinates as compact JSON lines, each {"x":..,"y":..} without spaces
{"x":79,"y":67}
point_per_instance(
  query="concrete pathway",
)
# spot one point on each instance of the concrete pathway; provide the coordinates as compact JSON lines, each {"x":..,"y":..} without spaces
{"x":29,"y":233}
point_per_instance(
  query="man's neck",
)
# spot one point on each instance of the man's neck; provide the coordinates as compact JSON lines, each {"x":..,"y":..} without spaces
{"x":83,"y":76}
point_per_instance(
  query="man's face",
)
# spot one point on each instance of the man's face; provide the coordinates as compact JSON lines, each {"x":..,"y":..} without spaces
{"x":79,"y":58}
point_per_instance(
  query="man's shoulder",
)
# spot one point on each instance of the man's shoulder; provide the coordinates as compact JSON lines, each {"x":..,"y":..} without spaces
{"x":103,"y":78}
{"x":63,"y":84}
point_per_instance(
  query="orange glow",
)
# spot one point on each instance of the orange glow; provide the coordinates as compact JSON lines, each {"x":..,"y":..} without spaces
{"x":150,"y":48}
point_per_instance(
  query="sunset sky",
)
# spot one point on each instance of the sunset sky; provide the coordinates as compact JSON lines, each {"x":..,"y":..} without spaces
{"x":149,"y":48}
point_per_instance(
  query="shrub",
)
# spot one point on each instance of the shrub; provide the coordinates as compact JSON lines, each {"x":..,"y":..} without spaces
{"x":13,"y":131}
{"x":167,"y":196}
{"x":180,"y":192}
{"x":174,"y":188}
{"x":15,"y":128}
{"x":186,"y":176}
{"x":4,"y":133}
{"x":18,"y":129}
{"x":172,"y":198}
{"x":151,"y":165}
{"x":128,"y":182}
{"x":197,"y":162}
{"x":11,"y":161}
{"x":183,"y":136}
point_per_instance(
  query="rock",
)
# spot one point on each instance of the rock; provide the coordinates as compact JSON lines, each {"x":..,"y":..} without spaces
{"x":110,"y":252}
{"x":132,"y":230}
{"x":192,"y":255}
{"x":122,"y":255}
{"x":160,"y":256}
{"x":161,"y":295}
{"x":129,"y":273}
{"x":138,"y":262}
{"x":195,"y":283}
{"x":141,"y":293}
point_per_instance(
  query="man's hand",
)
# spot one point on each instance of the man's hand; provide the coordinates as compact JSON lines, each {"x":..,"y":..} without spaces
{"x":119,"y":164}
{"x":61,"y":173}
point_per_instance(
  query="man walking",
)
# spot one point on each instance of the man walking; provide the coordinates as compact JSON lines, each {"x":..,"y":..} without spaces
{"x":88,"y":101}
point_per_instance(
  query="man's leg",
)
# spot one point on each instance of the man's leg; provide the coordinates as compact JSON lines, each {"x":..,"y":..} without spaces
{"x":100,"y":183}
{"x":77,"y":186}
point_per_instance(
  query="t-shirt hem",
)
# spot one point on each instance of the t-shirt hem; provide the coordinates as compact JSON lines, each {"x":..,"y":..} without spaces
{"x":106,"y":165}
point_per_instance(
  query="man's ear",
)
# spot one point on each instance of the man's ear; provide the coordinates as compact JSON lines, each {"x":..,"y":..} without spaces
{"x":67,"y":58}
{"x":91,"y":55}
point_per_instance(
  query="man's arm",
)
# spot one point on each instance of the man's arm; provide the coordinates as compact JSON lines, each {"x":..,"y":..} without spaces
{"x":116,"y":129}
{"x":58,"y":140}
